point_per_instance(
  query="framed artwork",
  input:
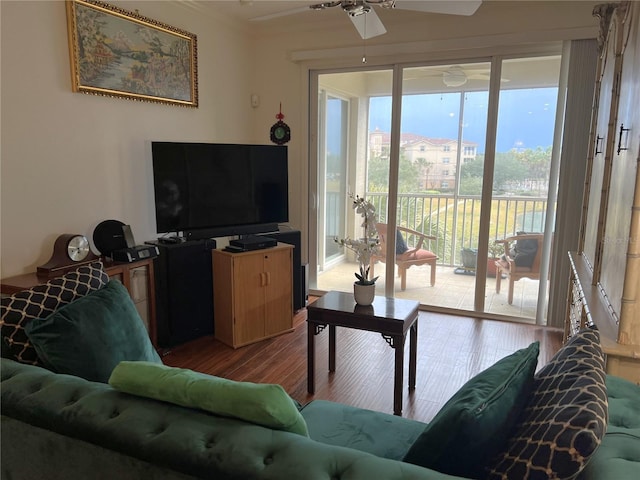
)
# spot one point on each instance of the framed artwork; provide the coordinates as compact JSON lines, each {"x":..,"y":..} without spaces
{"x":117,"y":53}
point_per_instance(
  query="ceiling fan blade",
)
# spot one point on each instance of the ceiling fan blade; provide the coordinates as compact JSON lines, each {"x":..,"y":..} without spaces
{"x":368,"y":25}
{"x":479,"y":76}
{"x":452,"y":7}
{"x":284,"y":13}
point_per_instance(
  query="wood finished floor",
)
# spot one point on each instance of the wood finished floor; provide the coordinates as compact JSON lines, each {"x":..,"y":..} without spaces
{"x":451,"y":350}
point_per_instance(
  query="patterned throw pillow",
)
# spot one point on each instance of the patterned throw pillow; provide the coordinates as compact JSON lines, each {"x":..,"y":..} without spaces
{"x":566,"y":418}
{"x":41,"y":301}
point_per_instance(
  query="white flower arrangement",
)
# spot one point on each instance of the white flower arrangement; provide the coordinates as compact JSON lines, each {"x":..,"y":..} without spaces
{"x":366,"y":246}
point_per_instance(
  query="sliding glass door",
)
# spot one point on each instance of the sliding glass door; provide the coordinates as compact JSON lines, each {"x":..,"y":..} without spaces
{"x":343,"y":167}
{"x":521,"y":186}
{"x":333,"y":182}
{"x":443,"y":129}
{"x":461,"y":152}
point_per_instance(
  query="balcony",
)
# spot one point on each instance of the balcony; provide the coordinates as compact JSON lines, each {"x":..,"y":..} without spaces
{"x":454,"y":221}
{"x":451,"y":290}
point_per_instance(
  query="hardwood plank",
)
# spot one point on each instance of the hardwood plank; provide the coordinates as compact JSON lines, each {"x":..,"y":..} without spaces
{"x":451,"y":350}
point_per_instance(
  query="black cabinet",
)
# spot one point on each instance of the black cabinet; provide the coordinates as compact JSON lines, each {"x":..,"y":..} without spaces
{"x":184,"y":291}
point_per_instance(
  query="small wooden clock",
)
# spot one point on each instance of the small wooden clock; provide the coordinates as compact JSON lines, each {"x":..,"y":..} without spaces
{"x":70,"y":250}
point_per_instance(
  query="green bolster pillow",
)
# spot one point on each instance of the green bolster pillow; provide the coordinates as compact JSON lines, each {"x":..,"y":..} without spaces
{"x":263,"y":404}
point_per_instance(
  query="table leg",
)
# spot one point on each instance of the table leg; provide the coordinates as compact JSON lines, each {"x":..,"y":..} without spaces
{"x":311,"y":358}
{"x":332,"y":348}
{"x":398,"y":345}
{"x":413,"y":354}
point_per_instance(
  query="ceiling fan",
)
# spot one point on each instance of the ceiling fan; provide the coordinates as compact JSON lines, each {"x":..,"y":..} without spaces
{"x":366,"y":20}
{"x":452,"y":76}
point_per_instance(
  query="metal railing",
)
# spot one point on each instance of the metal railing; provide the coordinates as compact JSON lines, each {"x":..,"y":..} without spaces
{"x":455,"y":220}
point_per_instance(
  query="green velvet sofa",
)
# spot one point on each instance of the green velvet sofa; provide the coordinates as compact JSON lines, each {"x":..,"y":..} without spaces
{"x":59,"y":426}
{"x":85,"y":396}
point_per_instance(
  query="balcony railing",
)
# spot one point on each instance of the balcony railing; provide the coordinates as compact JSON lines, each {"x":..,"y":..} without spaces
{"x":455,"y":220}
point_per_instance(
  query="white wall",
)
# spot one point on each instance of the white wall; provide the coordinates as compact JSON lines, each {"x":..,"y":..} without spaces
{"x":69,"y":160}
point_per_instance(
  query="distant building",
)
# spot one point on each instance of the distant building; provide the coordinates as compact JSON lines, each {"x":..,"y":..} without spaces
{"x":438,"y":157}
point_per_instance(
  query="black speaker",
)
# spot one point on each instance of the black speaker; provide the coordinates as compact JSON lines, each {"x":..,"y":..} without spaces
{"x":293,"y":237}
{"x":184,"y":291}
{"x":109,"y":236}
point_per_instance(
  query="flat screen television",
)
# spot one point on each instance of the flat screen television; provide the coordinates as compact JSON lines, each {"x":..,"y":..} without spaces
{"x":213,"y":189}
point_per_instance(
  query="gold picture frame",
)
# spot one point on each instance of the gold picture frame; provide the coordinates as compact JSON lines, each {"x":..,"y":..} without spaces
{"x":117,"y":53}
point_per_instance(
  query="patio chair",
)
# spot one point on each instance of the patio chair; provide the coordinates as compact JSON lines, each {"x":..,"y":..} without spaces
{"x":406,"y":257}
{"x":521,"y":259}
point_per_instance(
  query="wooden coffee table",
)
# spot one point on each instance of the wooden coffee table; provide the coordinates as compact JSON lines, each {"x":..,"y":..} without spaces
{"x":391,"y":317}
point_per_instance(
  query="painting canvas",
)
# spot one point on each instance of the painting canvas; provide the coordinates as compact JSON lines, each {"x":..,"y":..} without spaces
{"x":119,"y":53}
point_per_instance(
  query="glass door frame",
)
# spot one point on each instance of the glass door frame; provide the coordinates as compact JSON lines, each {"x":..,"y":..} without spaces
{"x":345,"y":147}
{"x":397,"y":68}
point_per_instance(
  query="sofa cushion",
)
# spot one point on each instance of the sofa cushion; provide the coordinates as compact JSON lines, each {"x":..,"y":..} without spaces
{"x":381,"y":434}
{"x":565,"y":418}
{"x":39,"y":301}
{"x":618,"y":456}
{"x":262,"y":404}
{"x":476,"y":422}
{"x":525,"y":250}
{"x":401,"y":245}
{"x":91,"y":335}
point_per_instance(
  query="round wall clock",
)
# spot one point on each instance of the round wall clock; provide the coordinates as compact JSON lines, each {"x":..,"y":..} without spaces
{"x":70,"y":250}
{"x":280,"y":132}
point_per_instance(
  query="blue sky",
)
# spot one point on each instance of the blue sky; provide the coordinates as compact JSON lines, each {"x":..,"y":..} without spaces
{"x":526,"y":117}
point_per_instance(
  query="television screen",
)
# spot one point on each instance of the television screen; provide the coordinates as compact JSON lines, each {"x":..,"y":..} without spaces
{"x":219,"y":186}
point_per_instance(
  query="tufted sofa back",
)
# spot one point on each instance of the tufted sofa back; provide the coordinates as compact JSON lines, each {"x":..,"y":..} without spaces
{"x":65,"y":421}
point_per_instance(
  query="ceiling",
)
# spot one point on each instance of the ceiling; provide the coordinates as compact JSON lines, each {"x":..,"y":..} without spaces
{"x":249,"y":12}
{"x":515,"y":74}
{"x":245,"y":10}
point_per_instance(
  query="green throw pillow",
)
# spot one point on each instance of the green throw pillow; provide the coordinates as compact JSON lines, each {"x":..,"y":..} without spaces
{"x":91,"y":335}
{"x":475,"y":423}
{"x":263,"y":404}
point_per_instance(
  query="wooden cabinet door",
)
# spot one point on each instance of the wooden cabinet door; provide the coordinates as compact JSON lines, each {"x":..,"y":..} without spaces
{"x":279,"y":291}
{"x":249,"y":298}
{"x":606,"y":104}
{"x":138,"y":282}
{"x":608,"y":267}
{"x":620,"y":241}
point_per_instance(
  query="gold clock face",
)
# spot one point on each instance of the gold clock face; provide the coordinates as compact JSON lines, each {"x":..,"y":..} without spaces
{"x":78,"y":248}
